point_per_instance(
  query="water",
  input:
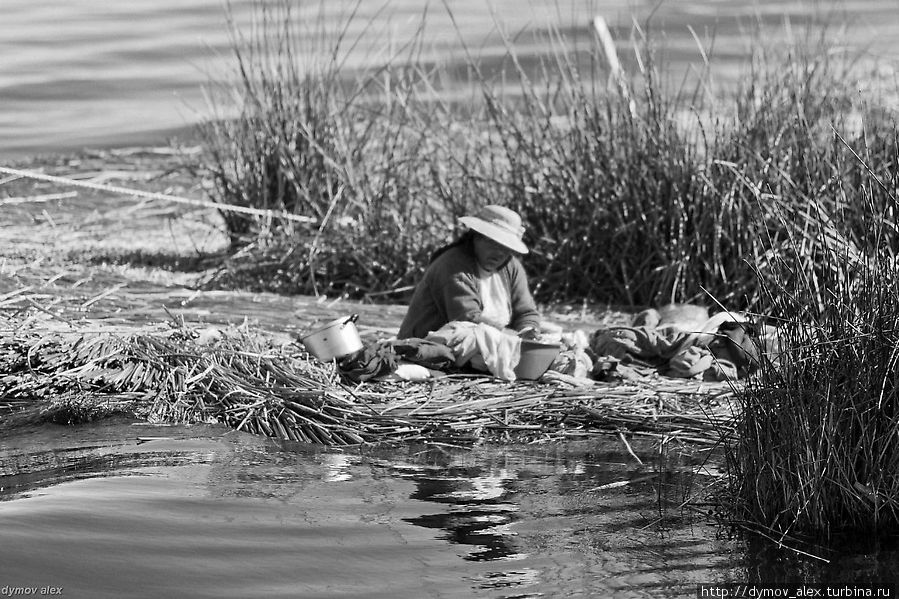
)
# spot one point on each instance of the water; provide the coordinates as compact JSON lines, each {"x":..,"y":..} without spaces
{"x":101,"y":73}
{"x":120,"y":510}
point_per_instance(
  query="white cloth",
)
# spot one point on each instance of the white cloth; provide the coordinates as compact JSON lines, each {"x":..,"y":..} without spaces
{"x":406,"y":371}
{"x":496,"y":298}
{"x":486,"y":347}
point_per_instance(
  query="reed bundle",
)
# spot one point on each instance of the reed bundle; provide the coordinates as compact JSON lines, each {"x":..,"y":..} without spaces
{"x":248,"y":382}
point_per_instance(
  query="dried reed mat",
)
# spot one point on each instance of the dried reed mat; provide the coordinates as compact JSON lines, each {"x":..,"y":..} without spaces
{"x":243,"y":379}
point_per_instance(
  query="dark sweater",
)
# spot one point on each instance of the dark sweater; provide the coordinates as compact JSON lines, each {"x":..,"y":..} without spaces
{"x":449,"y":291}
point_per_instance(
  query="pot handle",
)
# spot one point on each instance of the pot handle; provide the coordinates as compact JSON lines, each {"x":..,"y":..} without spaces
{"x":351,"y":318}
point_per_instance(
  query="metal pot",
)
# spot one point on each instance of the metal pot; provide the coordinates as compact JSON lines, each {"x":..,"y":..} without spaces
{"x":336,"y":339}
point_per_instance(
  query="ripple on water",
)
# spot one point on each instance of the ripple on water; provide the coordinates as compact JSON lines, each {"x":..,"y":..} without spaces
{"x":116,"y":510}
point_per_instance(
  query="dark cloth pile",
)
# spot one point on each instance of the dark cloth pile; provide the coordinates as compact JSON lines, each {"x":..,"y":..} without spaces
{"x":382,"y":358}
{"x":729,"y":352}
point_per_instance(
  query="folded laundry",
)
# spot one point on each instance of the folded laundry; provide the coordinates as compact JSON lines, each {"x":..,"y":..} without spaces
{"x":643,"y":343}
{"x":573,"y":362}
{"x":690,"y":362}
{"x":574,"y":359}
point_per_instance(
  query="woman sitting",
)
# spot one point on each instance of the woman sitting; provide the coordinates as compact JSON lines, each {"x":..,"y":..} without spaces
{"x":477,"y":278}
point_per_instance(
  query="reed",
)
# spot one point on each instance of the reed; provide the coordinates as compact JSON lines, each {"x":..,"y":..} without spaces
{"x":817,"y":448}
{"x":623,"y":201}
{"x":342,"y":144}
{"x":628,"y":202}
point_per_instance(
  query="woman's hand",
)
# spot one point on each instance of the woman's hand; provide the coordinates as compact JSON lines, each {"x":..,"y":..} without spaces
{"x":528,"y":333}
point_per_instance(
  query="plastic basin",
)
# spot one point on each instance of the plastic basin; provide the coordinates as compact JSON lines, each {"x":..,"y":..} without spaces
{"x":536,"y":358}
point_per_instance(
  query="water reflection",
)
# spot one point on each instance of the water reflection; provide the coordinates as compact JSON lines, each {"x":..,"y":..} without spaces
{"x":498,"y":522}
{"x":337,"y":467}
{"x":478,"y":516}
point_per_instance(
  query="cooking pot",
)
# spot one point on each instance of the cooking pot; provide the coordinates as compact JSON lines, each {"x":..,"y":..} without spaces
{"x":336,"y":339}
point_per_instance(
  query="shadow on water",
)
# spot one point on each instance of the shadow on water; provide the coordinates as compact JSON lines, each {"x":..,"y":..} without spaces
{"x":852,"y":560}
{"x":51,"y":455}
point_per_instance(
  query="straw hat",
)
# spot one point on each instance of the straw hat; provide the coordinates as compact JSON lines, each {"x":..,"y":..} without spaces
{"x":499,"y":224}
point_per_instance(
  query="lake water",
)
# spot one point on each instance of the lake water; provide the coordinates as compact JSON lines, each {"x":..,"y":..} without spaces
{"x":102,"y":73}
{"x":122,"y":510}
{"x":118,"y":509}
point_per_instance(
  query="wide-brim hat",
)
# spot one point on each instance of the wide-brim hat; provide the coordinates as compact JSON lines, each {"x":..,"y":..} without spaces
{"x":500,"y":224}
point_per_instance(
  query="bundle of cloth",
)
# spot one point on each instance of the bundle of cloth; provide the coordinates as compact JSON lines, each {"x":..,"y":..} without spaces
{"x":460,"y":346}
{"x":684,"y":341}
{"x":406,"y":359}
{"x":483,"y":347}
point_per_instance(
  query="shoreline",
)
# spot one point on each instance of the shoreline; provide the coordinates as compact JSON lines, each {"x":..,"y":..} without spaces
{"x":161,"y":137}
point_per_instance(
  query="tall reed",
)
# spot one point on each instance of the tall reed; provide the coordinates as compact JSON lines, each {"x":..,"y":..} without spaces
{"x":342,"y":146}
{"x":623,"y":202}
{"x":817,"y":450}
{"x":628,"y":204}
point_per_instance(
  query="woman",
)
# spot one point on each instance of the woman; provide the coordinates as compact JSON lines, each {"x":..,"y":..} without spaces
{"x":477,"y":278}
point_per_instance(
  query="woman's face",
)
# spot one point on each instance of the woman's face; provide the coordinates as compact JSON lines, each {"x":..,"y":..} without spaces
{"x":489,"y":254}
